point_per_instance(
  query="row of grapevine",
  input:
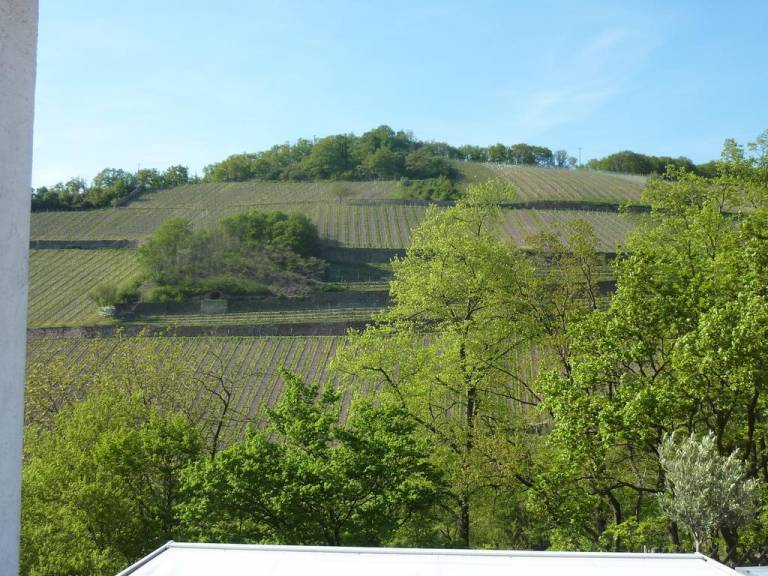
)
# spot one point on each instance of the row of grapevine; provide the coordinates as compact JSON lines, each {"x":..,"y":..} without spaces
{"x":60,"y":280}
{"x":610,"y":228}
{"x":309,"y":316}
{"x":212,"y":196}
{"x":561,"y":184}
{"x":251,"y":365}
{"x":372,"y":225}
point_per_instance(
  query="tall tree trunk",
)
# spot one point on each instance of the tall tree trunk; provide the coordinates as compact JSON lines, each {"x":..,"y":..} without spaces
{"x":463,"y":521}
{"x":464,"y":511}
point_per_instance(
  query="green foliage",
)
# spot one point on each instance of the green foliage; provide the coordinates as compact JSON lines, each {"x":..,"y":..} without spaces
{"x":680,"y":347}
{"x":440,"y":188}
{"x":380,"y":153}
{"x":704,"y":490}
{"x":248,"y":253}
{"x":99,"y":487}
{"x":441,"y":352}
{"x":104,"y":294}
{"x":107,"y":188}
{"x":634,"y":163}
{"x":319,"y":482}
{"x":293,"y":232}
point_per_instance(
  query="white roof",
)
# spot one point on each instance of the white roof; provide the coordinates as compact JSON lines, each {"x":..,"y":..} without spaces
{"x":187,"y":559}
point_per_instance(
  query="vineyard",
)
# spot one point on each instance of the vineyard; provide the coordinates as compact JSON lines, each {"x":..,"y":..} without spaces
{"x":536,"y":184}
{"x":354,"y":214}
{"x":59,"y":282}
{"x":349,"y":225}
{"x":265,"y":194}
{"x":362,"y":215}
{"x":308,"y":316}
{"x":251,"y":364}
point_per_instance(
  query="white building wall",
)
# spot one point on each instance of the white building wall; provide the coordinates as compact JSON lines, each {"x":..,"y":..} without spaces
{"x":18,"y":51}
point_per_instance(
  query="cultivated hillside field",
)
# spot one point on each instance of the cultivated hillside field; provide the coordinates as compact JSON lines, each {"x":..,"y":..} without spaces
{"x":542,"y":184}
{"x":59,"y":282}
{"x":366,"y":215}
{"x":251,"y":364}
{"x":349,"y":215}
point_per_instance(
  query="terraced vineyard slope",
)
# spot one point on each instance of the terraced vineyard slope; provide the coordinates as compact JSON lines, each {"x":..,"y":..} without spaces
{"x":60,"y":280}
{"x":375,"y":225}
{"x":252,"y":364}
{"x":559,"y":184}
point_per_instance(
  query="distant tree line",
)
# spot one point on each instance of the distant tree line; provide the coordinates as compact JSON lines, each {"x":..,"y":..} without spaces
{"x":629,"y":162}
{"x":106,"y":188}
{"x":381,"y":153}
{"x":425,"y":169}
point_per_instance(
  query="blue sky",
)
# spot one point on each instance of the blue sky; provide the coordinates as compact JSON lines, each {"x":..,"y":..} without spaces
{"x":165,"y":82}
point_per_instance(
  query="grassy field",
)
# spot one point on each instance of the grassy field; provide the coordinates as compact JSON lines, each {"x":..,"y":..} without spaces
{"x":559,"y":184}
{"x":59,"y":282}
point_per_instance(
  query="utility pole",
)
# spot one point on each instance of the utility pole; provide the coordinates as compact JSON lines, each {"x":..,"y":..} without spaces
{"x":579,"y":155}
{"x":18,"y":58}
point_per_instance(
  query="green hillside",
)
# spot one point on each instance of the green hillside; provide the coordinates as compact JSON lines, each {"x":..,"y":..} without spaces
{"x":359,"y":215}
{"x":252,"y":363}
{"x":364,"y":214}
{"x":542,"y":184}
{"x":59,"y":282}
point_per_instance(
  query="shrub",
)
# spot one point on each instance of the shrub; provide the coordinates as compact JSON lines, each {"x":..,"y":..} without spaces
{"x":441,"y":188}
{"x":104,"y":294}
{"x":249,"y":253}
{"x":165,"y":294}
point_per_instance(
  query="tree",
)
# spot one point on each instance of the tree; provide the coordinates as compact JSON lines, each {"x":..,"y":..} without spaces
{"x":175,"y":175}
{"x":307,"y":479}
{"x":330,"y":158}
{"x":705,"y":491}
{"x":104,"y":294}
{"x":340,"y":191}
{"x":443,"y":353}
{"x":561,"y":158}
{"x":100,"y":487}
{"x":422,"y":163}
{"x":235,"y":168}
{"x":165,"y":252}
{"x":681,"y":347}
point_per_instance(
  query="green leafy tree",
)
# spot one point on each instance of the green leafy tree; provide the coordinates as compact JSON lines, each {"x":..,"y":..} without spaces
{"x":680,"y":347}
{"x":443,"y":352}
{"x":163,"y":253}
{"x":340,"y":191}
{"x":99,"y":488}
{"x":235,"y":168}
{"x":705,"y":491}
{"x":104,"y":294}
{"x":330,"y":158}
{"x":308,"y":479}
{"x":175,"y":175}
